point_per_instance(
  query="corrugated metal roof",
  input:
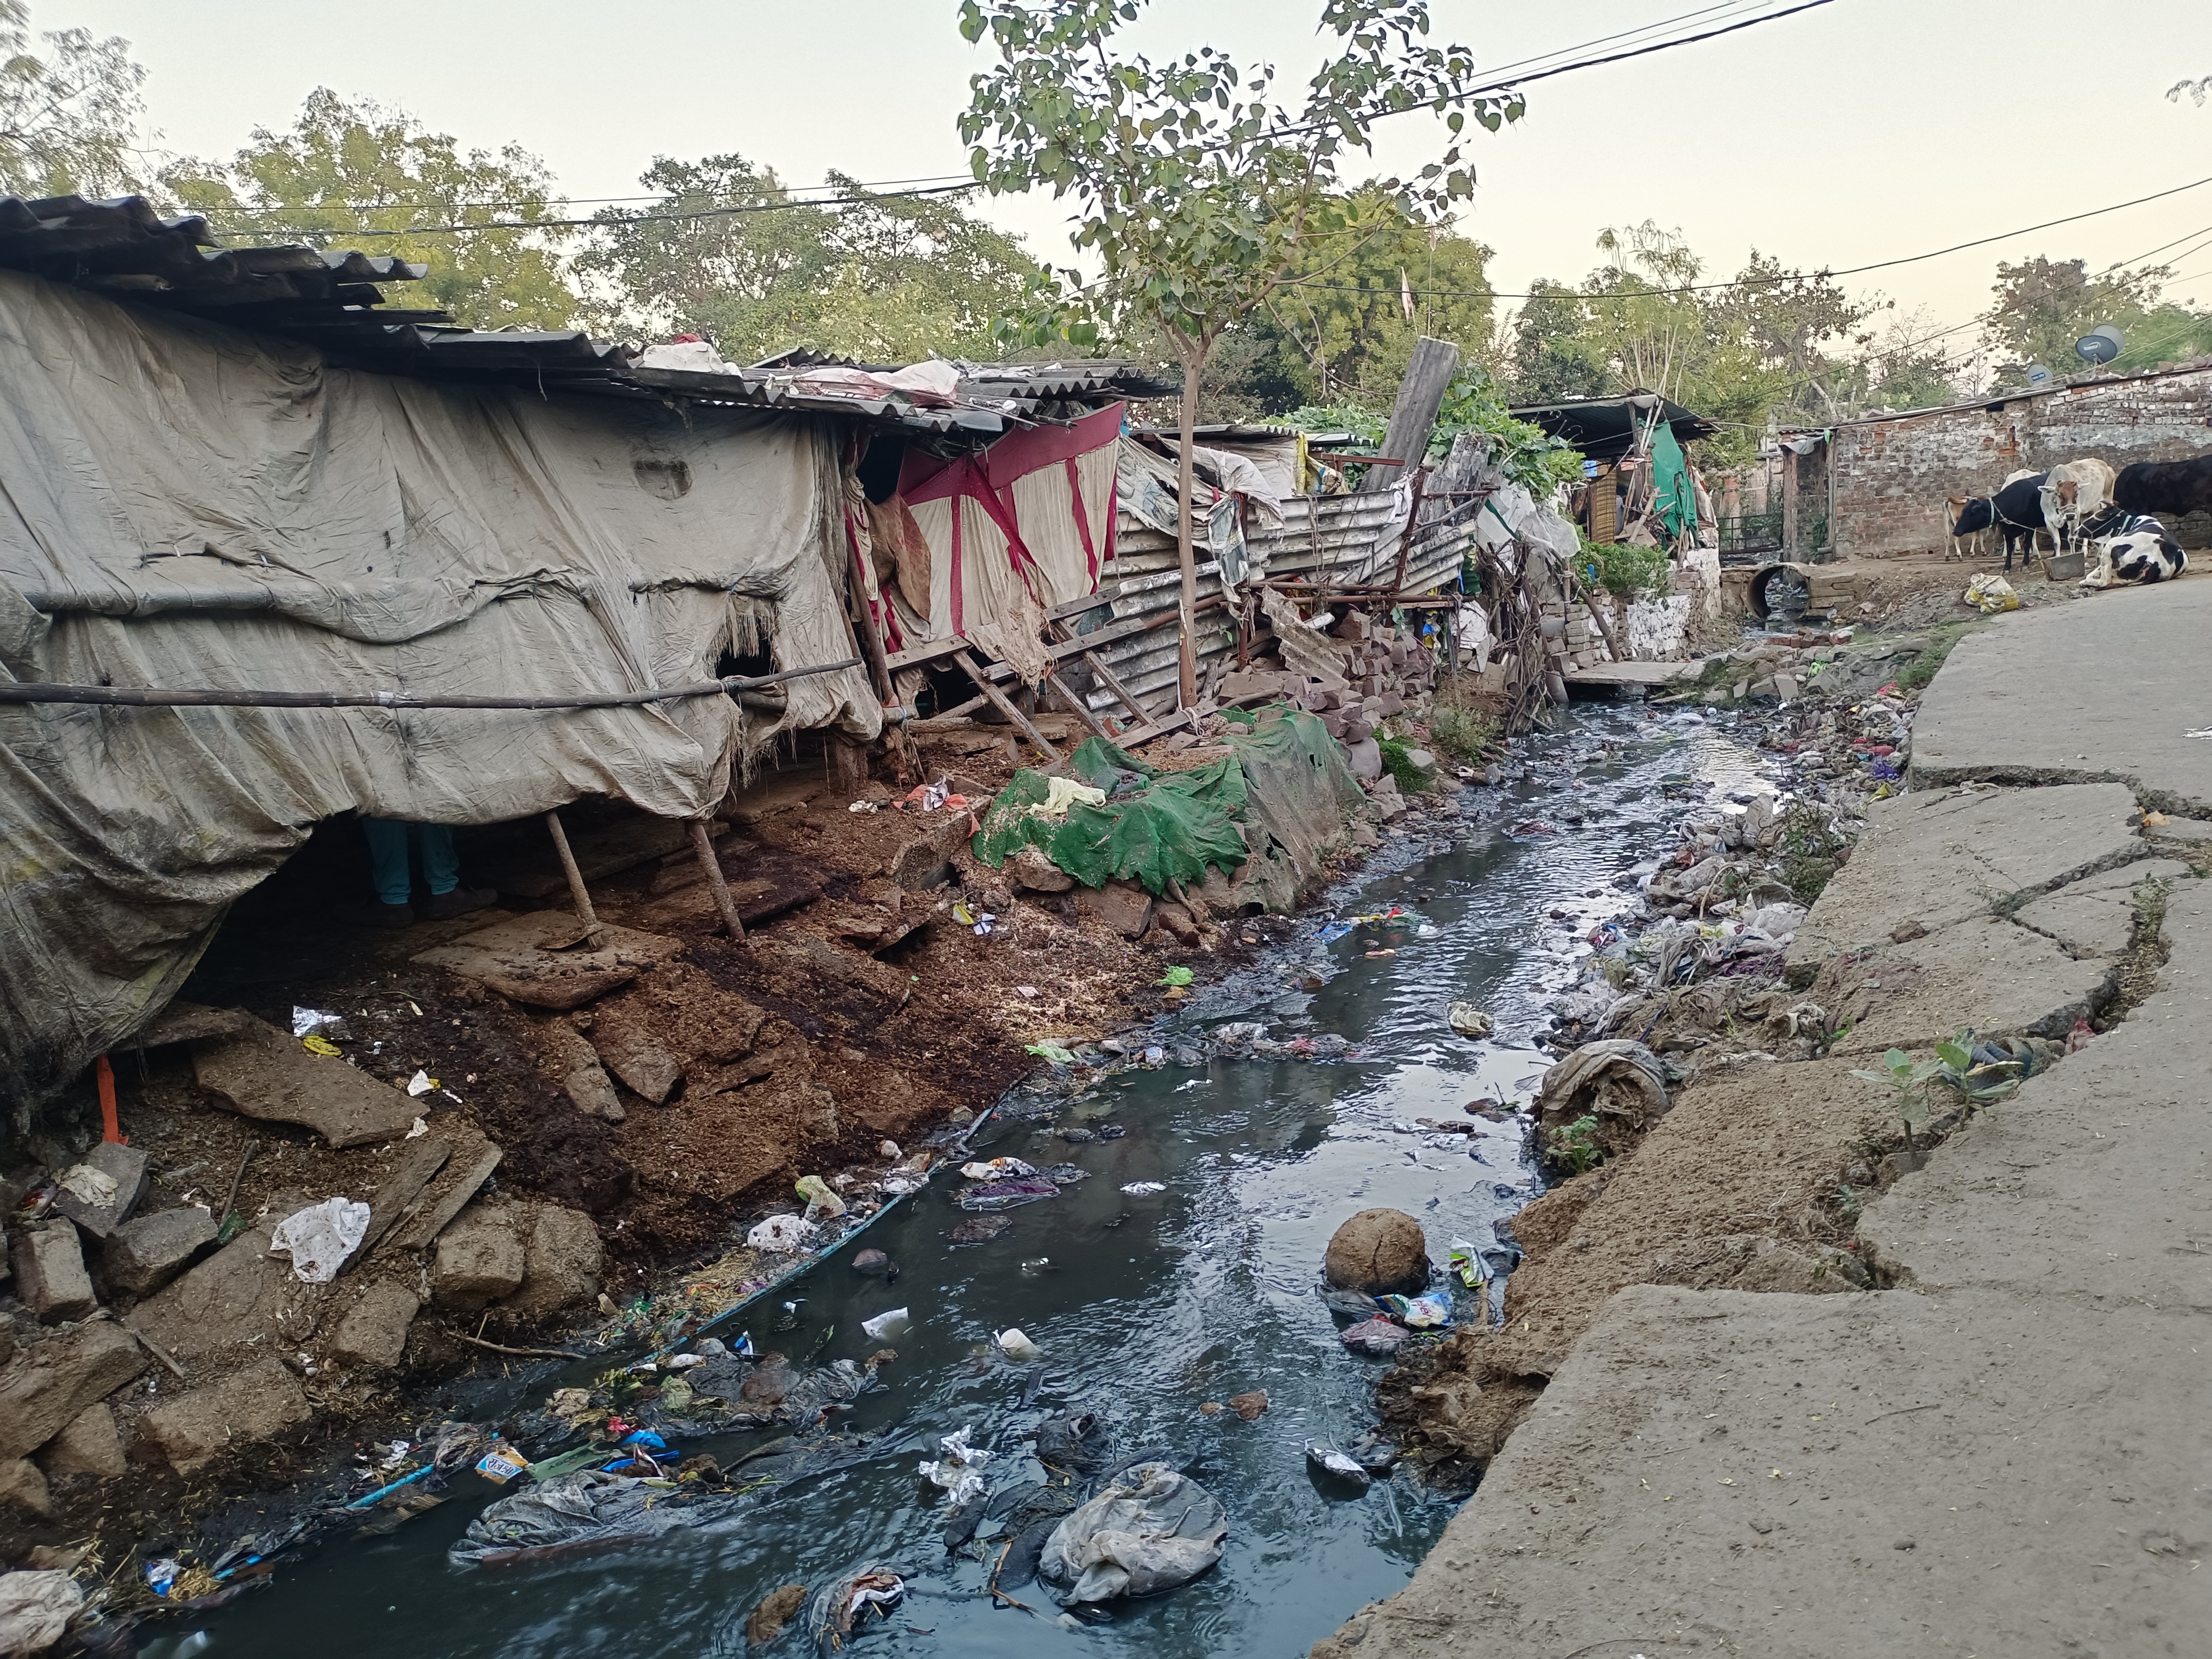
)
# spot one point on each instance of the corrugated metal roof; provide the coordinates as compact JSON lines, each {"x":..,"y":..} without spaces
{"x":332,"y":299}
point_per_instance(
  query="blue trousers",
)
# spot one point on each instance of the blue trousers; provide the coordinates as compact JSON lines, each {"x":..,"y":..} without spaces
{"x":387,"y":857}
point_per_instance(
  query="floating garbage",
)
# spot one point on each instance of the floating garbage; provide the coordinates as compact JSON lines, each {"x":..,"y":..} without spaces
{"x":1143,"y":1188}
{"x":998,"y":1169}
{"x":1008,"y":1194}
{"x":850,"y":1600}
{"x":1018,"y":1347}
{"x":321,"y":1237}
{"x":1469,"y":1021}
{"x":1378,"y":1337}
{"x":1151,"y":1529}
{"x":887,"y":1326}
{"x":821,"y":1198}
{"x":783,"y":1234}
{"x":1422,"y":1313}
{"x":959,"y":1472}
{"x":982,"y":1230}
{"x":1327,"y":1463}
{"x":501,"y":1465}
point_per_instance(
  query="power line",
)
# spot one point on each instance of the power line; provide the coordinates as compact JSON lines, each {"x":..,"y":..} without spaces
{"x":1790,"y":276}
{"x":872,"y":185}
{"x":642,"y":218}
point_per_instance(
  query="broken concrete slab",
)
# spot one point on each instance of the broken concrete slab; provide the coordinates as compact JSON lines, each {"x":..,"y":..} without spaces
{"x":1994,"y":976}
{"x":446,"y":1197}
{"x":480,"y":1259}
{"x":187,"y":1022}
{"x":396,"y":1195}
{"x":148,"y":1251}
{"x":926,"y":861}
{"x":23,"y":1488}
{"x":562,"y":1263}
{"x":2096,"y":916}
{"x":543,"y":959}
{"x":1030,"y":868}
{"x":259,"y":1072}
{"x":49,"y":1383}
{"x":100,"y":1191}
{"x":810,"y":955}
{"x":1796,"y":1477}
{"x":49,"y":1274}
{"x":2126,"y":713}
{"x":90,"y":1444}
{"x":2091,"y":1181}
{"x":238,"y":1296}
{"x":1125,"y":907}
{"x":193,"y":1430}
{"x":566,"y":1056}
{"x":628,"y":1044}
{"x":1929,"y":861}
{"x":373,"y":1334}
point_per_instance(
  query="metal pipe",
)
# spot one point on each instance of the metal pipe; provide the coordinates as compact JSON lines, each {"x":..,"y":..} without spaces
{"x":135,"y":697}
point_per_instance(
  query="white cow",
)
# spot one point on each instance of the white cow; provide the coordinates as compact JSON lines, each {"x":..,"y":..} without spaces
{"x":2073,"y":491}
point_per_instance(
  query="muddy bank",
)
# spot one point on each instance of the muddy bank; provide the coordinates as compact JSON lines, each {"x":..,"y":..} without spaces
{"x":537,"y":1170}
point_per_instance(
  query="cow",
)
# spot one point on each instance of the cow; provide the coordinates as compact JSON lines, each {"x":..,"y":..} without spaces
{"x":2174,"y":486}
{"x":2073,"y":491}
{"x":2016,"y":510}
{"x":2133,"y":548}
{"x":1955,"y":505}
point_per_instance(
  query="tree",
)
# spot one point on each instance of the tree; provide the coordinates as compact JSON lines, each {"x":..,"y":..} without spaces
{"x":1197,"y":192}
{"x":880,"y":277}
{"x":2044,"y":306}
{"x":69,"y":112}
{"x":360,"y":174}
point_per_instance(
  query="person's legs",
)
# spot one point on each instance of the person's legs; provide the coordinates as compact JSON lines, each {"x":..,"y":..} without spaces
{"x":387,"y":858}
{"x":441,"y":867}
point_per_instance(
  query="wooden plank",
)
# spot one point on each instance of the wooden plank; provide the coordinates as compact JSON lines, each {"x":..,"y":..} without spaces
{"x":1088,"y":602}
{"x":1076,"y":706}
{"x":914,"y":656}
{"x":967,"y":660}
{"x":399,"y":1190}
{"x":1413,"y":416}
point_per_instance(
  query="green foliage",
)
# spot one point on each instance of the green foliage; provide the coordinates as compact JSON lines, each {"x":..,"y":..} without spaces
{"x":343,"y":166}
{"x":1576,"y":1145}
{"x":1398,"y":762}
{"x":1812,"y":850}
{"x":1916,"y":675}
{"x":1908,"y":1085}
{"x":1462,"y":732}
{"x":1196,"y":189}
{"x":884,"y":279}
{"x":1474,"y":401}
{"x":1627,"y":570}
{"x":69,"y":110}
{"x":1975,"y":1085}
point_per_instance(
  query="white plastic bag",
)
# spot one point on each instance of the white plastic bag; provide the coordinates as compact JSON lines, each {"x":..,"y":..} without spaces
{"x":321,"y":1237}
{"x":783,"y":1234}
{"x":887,"y":1326}
{"x":960,"y":1471}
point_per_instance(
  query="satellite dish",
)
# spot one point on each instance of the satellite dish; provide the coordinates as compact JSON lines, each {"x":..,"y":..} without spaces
{"x":2100,"y":345}
{"x":2037,"y":375}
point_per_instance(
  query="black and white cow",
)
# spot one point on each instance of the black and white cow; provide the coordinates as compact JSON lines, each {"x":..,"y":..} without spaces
{"x":2133,"y":548}
{"x":2016,"y":510}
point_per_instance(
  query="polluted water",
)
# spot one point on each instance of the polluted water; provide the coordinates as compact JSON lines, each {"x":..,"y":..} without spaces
{"x":1182,"y":1274}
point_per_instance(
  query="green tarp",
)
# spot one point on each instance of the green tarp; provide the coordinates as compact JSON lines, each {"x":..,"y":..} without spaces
{"x":1673,"y":497}
{"x":1278,"y":797}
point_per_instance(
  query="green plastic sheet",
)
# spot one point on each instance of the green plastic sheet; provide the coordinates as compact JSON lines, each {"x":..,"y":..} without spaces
{"x":1170,"y":831}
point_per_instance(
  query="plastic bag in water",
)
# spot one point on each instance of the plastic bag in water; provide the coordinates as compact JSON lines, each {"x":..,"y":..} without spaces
{"x":1151,"y":1530}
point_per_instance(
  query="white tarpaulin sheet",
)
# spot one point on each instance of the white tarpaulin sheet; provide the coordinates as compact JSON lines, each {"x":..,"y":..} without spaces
{"x":187,"y":506}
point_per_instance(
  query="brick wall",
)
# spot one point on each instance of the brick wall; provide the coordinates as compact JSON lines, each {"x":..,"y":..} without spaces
{"x":1892,"y":477}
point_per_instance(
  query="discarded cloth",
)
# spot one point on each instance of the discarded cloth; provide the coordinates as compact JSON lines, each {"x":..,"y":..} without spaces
{"x":1151,"y":1529}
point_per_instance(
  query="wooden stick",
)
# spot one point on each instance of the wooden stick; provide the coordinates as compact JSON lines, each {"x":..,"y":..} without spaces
{"x":1076,"y":705}
{"x":519,"y":1353}
{"x":577,"y":891}
{"x":966,"y":659}
{"x":703,"y":845}
{"x":154,"y":1348}
{"x":230,"y":1203}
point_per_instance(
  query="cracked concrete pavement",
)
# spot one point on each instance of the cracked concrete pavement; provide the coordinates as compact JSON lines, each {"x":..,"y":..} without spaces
{"x":2010,"y":1451}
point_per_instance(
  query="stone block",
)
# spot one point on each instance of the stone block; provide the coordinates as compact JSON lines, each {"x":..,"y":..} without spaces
{"x":148,"y":1251}
{"x":1120,"y":905}
{"x":23,"y":1488}
{"x":1032,"y":871}
{"x":242,"y":1409}
{"x":89,"y":1445}
{"x":262,"y":1073}
{"x":50,"y":1273}
{"x":238,"y":1294}
{"x":1178,"y":921}
{"x":561,"y":1263}
{"x":627,"y":1047}
{"x":374,"y":1333}
{"x":99,"y":1192}
{"x":49,"y":1384}
{"x":480,"y":1259}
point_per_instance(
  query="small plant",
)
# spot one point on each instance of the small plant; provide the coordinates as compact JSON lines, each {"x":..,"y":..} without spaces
{"x":1461,"y":731}
{"x":1627,"y":570}
{"x":1812,"y":850}
{"x":1847,"y":1201}
{"x":1909,"y":1082}
{"x":1398,"y":762}
{"x":1977,"y":1086}
{"x":1576,"y":1145}
{"x":1915,"y":674}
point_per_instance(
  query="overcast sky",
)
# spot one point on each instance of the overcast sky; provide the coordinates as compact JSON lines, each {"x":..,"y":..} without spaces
{"x":1864,"y":130}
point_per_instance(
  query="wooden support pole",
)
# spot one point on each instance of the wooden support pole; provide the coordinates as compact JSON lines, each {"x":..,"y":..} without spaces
{"x":1004,"y":705}
{"x":1076,"y":705}
{"x":578,"y":893}
{"x":711,"y":868}
{"x":1113,"y":682}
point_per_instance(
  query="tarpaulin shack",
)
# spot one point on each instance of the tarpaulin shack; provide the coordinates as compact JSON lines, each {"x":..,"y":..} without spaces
{"x":238,"y":471}
{"x":1636,"y":473}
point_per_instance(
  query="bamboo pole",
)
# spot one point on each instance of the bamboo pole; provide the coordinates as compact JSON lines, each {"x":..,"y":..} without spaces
{"x":578,"y":892}
{"x":703,"y":845}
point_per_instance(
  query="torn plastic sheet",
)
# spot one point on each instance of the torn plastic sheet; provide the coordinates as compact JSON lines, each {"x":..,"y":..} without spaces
{"x":321,"y":1237}
{"x":1151,"y":1529}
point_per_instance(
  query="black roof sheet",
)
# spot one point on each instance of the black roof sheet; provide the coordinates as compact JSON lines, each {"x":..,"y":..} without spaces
{"x":1602,"y":428}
